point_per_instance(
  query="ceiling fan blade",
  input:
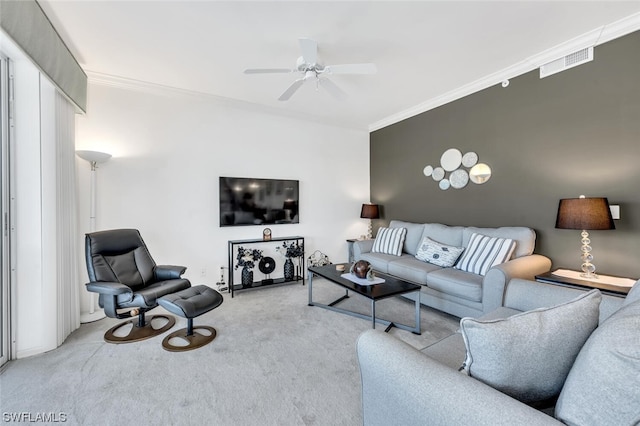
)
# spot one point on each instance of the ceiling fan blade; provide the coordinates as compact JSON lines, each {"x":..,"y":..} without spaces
{"x":291,"y":89}
{"x":309,"y":49}
{"x":331,"y":87}
{"x":268,"y":71}
{"x":351,"y":69}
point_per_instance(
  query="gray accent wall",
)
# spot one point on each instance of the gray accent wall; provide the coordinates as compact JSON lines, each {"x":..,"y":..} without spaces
{"x":572,"y":133}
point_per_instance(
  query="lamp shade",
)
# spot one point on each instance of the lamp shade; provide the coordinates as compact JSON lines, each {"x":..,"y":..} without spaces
{"x":585,"y":214}
{"x":93,"y":156}
{"x":370,"y":211}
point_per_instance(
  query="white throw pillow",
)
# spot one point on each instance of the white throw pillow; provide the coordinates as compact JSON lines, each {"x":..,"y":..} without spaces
{"x":485,"y":252}
{"x":389,"y":241}
{"x":438,"y":253}
{"x":529,"y":355}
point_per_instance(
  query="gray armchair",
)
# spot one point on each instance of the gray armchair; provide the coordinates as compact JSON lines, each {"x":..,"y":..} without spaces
{"x":129,"y":282}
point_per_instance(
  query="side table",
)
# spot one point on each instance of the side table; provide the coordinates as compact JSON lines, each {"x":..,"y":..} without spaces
{"x":616,"y":286}
{"x":350,"y":242}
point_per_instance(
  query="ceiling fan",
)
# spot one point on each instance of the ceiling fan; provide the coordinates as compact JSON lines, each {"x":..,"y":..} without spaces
{"x":311,"y":70}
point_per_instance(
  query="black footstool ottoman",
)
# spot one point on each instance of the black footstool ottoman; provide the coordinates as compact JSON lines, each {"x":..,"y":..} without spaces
{"x":190,"y":303}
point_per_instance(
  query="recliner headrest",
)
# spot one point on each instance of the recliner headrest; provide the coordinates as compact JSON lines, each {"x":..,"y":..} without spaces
{"x":114,"y":242}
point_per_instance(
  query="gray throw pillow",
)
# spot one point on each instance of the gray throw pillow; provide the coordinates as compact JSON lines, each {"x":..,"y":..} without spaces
{"x":603,"y":386}
{"x":529,"y":355}
{"x":437,"y":253}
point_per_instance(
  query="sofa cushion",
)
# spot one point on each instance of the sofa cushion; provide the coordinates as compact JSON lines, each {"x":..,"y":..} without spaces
{"x":409,"y":268}
{"x":456,"y":283}
{"x":524,"y":237}
{"x":603,"y":386}
{"x":526,"y":295}
{"x":499,"y":313}
{"x":450,"y":351}
{"x":389,"y":241}
{"x":634,"y":294}
{"x":414,"y":234}
{"x":529,"y":355}
{"x":438,"y":253}
{"x":380,"y":261}
{"x":483,"y":252}
{"x":451,"y":235}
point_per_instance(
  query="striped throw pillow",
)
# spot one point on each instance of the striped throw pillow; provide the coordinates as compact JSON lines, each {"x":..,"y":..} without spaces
{"x":389,"y":241}
{"x":484,"y":252}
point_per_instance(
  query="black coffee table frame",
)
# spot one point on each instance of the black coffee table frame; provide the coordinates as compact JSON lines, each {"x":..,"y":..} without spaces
{"x":390,"y":288}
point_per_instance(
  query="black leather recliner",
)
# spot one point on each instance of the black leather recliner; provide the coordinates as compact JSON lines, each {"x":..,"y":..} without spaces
{"x":123,"y":272}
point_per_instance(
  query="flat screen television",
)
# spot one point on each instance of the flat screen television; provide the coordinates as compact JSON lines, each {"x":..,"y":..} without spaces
{"x":253,"y":201}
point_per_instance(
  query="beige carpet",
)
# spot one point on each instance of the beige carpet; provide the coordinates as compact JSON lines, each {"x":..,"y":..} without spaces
{"x":275,"y":361}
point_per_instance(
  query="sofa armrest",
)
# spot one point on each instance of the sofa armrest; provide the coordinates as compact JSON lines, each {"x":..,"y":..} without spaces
{"x":401,"y":385}
{"x":361,"y":246}
{"x":495,"y":281}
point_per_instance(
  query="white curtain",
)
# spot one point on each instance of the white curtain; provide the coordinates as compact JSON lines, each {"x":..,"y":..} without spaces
{"x":68,"y":306}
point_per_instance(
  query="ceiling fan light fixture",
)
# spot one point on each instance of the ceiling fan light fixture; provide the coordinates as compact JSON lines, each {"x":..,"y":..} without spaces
{"x":308,"y":66}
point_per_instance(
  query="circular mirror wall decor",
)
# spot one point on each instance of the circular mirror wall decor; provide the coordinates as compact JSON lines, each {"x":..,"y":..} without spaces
{"x":444,"y":184}
{"x":451,"y":159}
{"x":459,"y":178}
{"x":437,"y":174}
{"x":427,"y":171}
{"x":469,"y":159}
{"x":480,"y":173}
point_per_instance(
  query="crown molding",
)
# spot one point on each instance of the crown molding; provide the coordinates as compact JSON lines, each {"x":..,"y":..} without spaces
{"x":124,"y":83}
{"x":595,"y":37}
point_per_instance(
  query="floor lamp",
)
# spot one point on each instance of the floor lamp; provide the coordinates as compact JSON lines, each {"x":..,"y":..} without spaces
{"x":94,"y":158}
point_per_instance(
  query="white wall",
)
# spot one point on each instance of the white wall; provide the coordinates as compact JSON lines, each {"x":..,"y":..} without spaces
{"x":170,"y":148}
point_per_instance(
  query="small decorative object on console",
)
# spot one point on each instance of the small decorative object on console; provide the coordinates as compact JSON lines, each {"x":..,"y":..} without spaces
{"x":362,"y":269}
{"x":246,"y":260}
{"x":291,"y":250}
{"x":266,"y":234}
{"x":267,"y":265}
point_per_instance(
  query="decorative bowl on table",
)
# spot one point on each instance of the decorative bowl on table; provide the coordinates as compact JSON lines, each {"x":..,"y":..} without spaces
{"x":361,"y":268}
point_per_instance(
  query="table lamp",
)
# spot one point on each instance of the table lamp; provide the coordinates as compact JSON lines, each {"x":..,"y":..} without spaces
{"x":586,"y":214}
{"x":370,"y":211}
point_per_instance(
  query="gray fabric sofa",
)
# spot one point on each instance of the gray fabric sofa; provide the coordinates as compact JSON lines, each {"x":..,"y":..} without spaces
{"x":451,"y":290}
{"x":402,"y":385}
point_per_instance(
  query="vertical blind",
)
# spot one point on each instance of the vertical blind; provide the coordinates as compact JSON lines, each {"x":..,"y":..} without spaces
{"x":68,"y":304}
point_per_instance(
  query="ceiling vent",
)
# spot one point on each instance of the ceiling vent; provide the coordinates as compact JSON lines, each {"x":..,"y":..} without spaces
{"x":569,"y":61}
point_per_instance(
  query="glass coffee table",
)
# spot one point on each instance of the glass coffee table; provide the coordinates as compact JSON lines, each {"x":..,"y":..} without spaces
{"x":374,"y":292}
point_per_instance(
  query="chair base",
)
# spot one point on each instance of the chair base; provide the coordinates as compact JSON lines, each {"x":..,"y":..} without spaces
{"x":138,"y":333}
{"x":194,"y":341}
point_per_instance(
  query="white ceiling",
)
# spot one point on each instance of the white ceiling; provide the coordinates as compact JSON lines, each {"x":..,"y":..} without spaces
{"x":423,"y":50}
